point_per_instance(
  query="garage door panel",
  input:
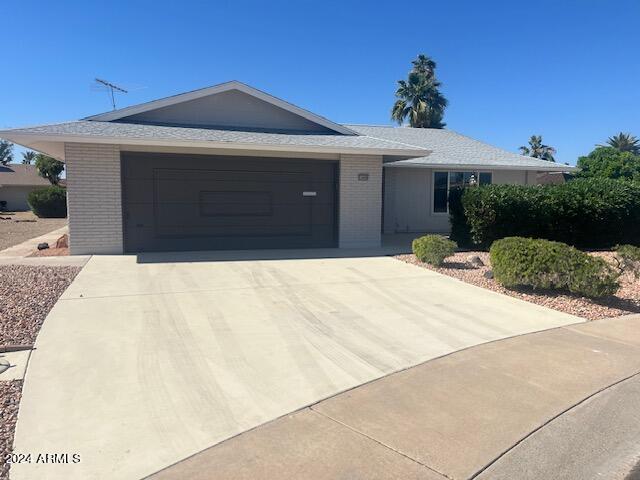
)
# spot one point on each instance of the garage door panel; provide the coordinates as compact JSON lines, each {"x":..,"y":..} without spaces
{"x":227,"y":202}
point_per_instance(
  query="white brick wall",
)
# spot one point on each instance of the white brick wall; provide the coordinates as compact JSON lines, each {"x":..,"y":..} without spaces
{"x":360,"y":201}
{"x":94,"y":198}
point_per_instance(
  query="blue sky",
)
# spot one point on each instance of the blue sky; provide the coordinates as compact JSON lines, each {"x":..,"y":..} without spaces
{"x":567,"y":70}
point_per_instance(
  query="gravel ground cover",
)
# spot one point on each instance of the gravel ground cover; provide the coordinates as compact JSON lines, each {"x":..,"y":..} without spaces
{"x":9,"y":399}
{"x":23,"y":226}
{"x":626,"y":300}
{"x":28,"y":293}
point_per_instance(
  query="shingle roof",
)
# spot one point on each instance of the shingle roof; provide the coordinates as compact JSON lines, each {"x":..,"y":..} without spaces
{"x":18,"y":174}
{"x":451,"y":148}
{"x":124,"y":131}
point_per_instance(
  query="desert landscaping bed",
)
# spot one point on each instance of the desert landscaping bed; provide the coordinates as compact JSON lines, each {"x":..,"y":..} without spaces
{"x":10,"y":393}
{"x":626,"y":300}
{"x":21,"y":226}
{"x":27,"y":293}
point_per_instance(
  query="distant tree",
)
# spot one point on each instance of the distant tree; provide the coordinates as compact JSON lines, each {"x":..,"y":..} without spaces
{"x":609,"y":162}
{"x":624,"y":142}
{"x":28,"y":157}
{"x":418,"y":98}
{"x":537,"y":149}
{"x":6,"y":152}
{"x":49,"y":168}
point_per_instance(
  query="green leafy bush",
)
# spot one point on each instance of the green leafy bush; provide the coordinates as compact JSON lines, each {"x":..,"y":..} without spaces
{"x":49,"y":202}
{"x":518,"y":261}
{"x":588,"y":213}
{"x":628,"y":258}
{"x":433,"y":249}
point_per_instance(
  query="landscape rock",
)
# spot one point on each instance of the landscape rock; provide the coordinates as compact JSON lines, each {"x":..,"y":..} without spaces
{"x":488,"y":274}
{"x":63,"y":241}
{"x":475,"y":260}
{"x":43,"y":246}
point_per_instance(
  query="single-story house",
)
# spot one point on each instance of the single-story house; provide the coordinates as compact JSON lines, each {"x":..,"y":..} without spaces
{"x":16,"y":182}
{"x":231,"y":167}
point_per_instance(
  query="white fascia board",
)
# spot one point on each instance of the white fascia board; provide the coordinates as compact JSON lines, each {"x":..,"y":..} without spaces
{"x":441,"y":166}
{"x":27,"y":140}
{"x":223,"y":87}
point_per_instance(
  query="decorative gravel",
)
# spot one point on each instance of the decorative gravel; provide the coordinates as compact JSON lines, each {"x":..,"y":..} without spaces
{"x":626,"y":300}
{"x":28,"y":293}
{"x":9,"y":399}
{"x":21,"y":226}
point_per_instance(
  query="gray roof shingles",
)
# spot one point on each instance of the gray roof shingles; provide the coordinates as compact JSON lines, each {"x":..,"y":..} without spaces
{"x":143,"y":131}
{"x":451,"y":148}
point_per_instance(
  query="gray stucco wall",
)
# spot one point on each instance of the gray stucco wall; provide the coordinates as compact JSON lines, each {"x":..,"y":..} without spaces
{"x":16,"y":197}
{"x":228,"y":109}
{"x":95,"y":199}
{"x":408,"y":198}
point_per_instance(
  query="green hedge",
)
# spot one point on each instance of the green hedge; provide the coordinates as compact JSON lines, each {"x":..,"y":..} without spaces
{"x":49,"y":202}
{"x":433,"y":249}
{"x":587,"y":213}
{"x":536,"y":263}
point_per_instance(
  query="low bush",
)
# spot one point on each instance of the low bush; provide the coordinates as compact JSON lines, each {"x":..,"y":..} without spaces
{"x":49,"y":202}
{"x":433,"y":249}
{"x":628,"y":258}
{"x":536,"y":263}
{"x":591,"y":213}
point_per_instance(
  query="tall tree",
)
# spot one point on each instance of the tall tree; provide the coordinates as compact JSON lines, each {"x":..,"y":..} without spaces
{"x":28,"y":157}
{"x":537,"y":149}
{"x":609,"y":162}
{"x":49,"y":168}
{"x":6,"y":152}
{"x":624,"y":142}
{"x":418,"y":98}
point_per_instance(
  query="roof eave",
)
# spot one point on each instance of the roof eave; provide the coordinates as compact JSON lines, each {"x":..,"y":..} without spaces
{"x":30,"y":140}
{"x":452,"y":166}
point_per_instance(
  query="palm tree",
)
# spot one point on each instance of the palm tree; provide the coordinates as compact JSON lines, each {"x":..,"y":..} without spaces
{"x":28,"y":157}
{"x":424,"y":65}
{"x":537,"y":149}
{"x":420,"y":101}
{"x":419,"y":98}
{"x":625,"y":142}
{"x":6,"y":152}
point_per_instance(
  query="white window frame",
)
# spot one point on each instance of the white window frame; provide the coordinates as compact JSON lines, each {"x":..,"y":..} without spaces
{"x":448,"y":172}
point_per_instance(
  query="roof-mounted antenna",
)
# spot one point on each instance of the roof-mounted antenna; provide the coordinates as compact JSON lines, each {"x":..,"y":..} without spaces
{"x":112,"y":88}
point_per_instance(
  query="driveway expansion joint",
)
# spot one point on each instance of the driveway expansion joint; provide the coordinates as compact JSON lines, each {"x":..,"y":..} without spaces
{"x":382,"y":444}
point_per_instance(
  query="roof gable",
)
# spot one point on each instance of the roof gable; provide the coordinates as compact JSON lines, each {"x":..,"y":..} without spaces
{"x":231,"y":105}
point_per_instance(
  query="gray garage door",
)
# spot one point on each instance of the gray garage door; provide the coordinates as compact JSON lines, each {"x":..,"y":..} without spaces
{"x":195,"y":202}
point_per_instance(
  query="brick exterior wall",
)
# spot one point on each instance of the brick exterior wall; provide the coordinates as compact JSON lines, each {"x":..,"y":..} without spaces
{"x":94,"y":198}
{"x":360,"y":201}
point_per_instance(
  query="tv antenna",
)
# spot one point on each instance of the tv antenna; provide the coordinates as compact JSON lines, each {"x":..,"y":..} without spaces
{"x":111,"y":88}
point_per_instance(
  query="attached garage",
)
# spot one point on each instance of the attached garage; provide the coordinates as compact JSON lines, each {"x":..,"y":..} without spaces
{"x":197,"y":202}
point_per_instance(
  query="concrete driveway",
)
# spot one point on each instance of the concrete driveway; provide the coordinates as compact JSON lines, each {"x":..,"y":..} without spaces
{"x":140,"y":365}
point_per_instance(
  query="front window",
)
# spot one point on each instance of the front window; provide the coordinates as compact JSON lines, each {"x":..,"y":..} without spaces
{"x":443,"y":182}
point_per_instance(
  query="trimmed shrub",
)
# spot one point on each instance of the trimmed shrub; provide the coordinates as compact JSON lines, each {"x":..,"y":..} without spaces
{"x":536,"y":263}
{"x":49,"y":202}
{"x":433,"y":249}
{"x":628,"y":258}
{"x":591,"y":213}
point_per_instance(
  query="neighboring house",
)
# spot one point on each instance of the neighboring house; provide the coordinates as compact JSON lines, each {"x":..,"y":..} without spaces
{"x":16,"y":181}
{"x":231,"y":167}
